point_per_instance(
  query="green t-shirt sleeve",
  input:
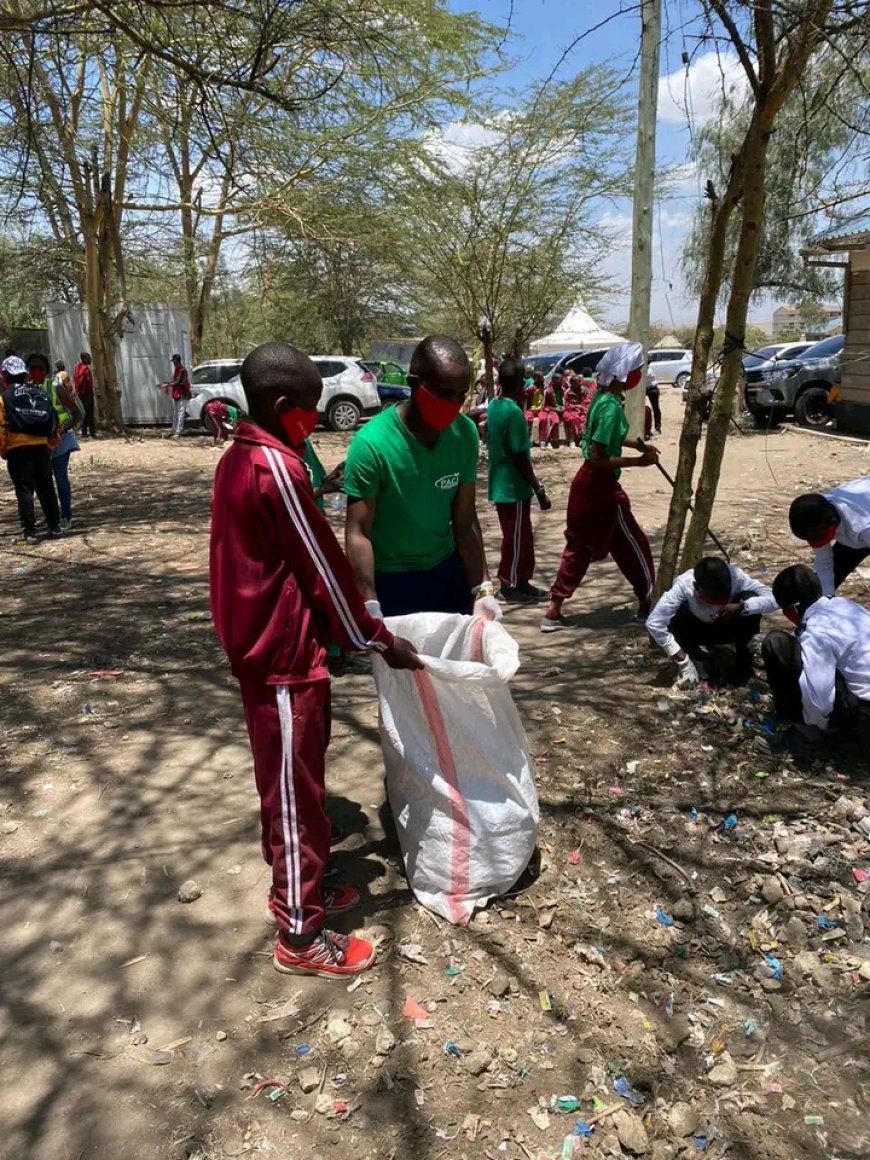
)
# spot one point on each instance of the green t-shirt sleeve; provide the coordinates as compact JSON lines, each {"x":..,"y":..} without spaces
{"x":607,"y":426}
{"x":470,"y":452}
{"x":362,"y":475}
{"x":517,"y":432}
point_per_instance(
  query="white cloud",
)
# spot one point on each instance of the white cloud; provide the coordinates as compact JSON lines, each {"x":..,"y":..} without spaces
{"x":619,"y":222}
{"x":455,"y":142}
{"x":694,"y":94}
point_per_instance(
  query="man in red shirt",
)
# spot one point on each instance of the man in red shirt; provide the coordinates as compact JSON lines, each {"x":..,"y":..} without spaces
{"x":281,"y":589}
{"x":83,"y":381}
{"x":179,"y":388}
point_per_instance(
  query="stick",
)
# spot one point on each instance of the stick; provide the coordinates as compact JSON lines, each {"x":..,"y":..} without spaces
{"x":710,"y":533}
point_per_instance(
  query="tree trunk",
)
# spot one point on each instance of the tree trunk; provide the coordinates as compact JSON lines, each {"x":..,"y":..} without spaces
{"x":742,"y":285}
{"x":486,"y":339}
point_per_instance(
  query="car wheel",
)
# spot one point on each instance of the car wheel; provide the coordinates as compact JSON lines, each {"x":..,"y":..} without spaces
{"x":682,"y":379}
{"x":813,"y":409}
{"x":343,"y":415}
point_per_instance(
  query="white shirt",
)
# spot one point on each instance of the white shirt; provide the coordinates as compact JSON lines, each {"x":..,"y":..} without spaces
{"x":852,"y":502}
{"x":835,"y":638}
{"x":683,"y":592}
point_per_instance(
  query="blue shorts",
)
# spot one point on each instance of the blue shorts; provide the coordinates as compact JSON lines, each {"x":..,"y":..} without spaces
{"x":443,"y":588}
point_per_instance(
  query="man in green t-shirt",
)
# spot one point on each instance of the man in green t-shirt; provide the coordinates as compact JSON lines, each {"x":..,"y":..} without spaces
{"x":412,"y":534}
{"x":512,"y":483}
{"x":599,"y":521}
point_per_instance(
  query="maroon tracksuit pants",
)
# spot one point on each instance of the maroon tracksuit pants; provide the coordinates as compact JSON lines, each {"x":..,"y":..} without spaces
{"x":600,"y":524}
{"x":517,"y":563}
{"x":289,"y":731}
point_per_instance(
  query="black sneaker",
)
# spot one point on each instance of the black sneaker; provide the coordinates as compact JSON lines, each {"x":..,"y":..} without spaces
{"x":520,"y":595}
{"x":56,"y":534}
{"x":30,"y":538}
{"x":798,"y":740}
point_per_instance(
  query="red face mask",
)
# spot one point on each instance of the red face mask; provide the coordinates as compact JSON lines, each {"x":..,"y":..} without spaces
{"x":298,"y":423}
{"x":793,"y":615}
{"x":437,"y":413}
{"x":633,"y":379}
{"x":712,"y":601}
{"x":821,"y":541}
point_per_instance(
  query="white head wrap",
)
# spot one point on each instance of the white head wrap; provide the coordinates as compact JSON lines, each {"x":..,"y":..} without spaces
{"x":14,"y":366}
{"x":618,"y":363}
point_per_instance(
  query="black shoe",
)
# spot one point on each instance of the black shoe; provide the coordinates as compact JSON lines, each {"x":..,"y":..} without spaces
{"x":55,"y":534}
{"x":798,"y":740}
{"x":520,"y":595}
{"x":30,"y":537}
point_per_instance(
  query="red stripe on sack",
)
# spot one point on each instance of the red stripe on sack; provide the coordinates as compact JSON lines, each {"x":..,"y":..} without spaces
{"x":459,"y":847}
{"x":477,"y":630}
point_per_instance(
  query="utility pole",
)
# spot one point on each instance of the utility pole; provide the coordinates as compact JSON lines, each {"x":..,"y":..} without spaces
{"x":644,"y":188}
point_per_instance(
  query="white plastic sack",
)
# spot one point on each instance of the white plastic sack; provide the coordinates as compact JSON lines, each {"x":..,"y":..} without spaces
{"x":459,"y":773}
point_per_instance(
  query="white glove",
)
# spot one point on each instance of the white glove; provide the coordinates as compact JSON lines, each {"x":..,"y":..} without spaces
{"x":687,"y":674}
{"x":373,"y":608}
{"x":487,"y":608}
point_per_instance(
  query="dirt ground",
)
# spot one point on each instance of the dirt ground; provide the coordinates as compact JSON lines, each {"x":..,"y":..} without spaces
{"x":135,"y":1026}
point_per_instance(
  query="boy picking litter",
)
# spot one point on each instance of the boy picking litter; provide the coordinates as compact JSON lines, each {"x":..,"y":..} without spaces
{"x":837,"y":526}
{"x":281,"y":588}
{"x":714,"y":604}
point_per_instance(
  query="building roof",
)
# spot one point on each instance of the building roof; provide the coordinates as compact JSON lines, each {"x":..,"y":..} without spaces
{"x":578,"y":330}
{"x":851,"y":232}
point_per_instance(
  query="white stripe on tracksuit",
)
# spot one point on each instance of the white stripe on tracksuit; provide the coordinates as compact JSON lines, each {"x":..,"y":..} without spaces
{"x":515,"y":562}
{"x":294,"y":510}
{"x":288,"y":811}
{"x":637,"y":549}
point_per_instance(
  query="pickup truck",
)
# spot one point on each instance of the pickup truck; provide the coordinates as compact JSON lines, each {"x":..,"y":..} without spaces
{"x":797,"y":386}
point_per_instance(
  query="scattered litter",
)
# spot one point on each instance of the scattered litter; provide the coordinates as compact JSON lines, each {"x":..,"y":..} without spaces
{"x":730,"y":822}
{"x":617,"y":790}
{"x":825,"y":923}
{"x":775,"y":965}
{"x":566,"y":1104}
{"x":413,"y":1010}
{"x":450,"y":1048}
{"x":107,"y":674}
{"x":814,"y":1121}
{"x":574,"y":858}
{"x":134,"y":961}
{"x":663,"y":918}
{"x":413,"y":953}
{"x":545,"y":1000}
{"x":623,"y":1088}
{"x":302,"y":1049}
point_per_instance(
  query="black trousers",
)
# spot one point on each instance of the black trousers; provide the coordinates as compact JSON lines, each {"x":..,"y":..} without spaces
{"x":653,"y":397}
{"x":783,"y":664}
{"x":846,"y":560}
{"x":693,"y":634}
{"x":30,"y":472}
{"x":89,"y":426}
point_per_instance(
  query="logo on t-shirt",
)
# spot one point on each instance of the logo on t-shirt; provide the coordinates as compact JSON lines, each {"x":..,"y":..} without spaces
{"x":448,"y":482}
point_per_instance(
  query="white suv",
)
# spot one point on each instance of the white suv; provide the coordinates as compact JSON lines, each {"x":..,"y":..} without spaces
{"x":671,"y":366}
{"x":349,"y":391}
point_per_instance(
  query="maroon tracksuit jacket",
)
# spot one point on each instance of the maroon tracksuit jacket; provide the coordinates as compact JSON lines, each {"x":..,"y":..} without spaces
{"x":281,"y":588}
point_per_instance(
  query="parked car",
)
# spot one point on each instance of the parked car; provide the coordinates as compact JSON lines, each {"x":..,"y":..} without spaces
{"x":218,"y":379}
{"x":799,"y":385}
{"x":570,"y":360}
{"x":672,"y":366}
{"x":349,"y":392}
{"x":214,"y":373}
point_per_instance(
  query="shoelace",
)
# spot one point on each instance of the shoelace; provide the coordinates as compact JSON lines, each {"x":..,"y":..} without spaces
{"x":334,"y":944}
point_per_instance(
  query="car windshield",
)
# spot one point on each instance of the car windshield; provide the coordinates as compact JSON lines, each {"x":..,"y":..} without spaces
{"x":205,"y":375}
{"x":824,"y":349}
{"x":759,"y":356}
{"x":542,"y":362}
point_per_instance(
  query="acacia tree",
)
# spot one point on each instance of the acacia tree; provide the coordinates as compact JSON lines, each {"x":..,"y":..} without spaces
{"x":774,"y":42}
{"x":501,"y":235}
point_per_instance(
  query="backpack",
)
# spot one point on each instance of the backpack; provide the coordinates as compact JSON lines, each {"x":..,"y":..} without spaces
{"x":29,"y":410}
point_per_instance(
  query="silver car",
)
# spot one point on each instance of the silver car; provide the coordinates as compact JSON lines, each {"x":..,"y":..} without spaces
{"x":671,"y":366}
{"x":350,"y":391}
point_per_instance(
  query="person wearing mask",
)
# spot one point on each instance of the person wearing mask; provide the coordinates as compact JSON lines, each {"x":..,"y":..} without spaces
{"x":28,"y":426}
{"x":600,"y":522}
{"x":281,"y":588}
{"x":83,"y":381}
{"x":711,"y":605}
{"x":819,"y":675}
{"x":412,"y":533}
{"x":837,"y":526}
{"x":70,"y":413}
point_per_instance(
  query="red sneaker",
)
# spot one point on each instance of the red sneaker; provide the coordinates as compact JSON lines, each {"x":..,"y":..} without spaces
{"x":329,"y":955}
{"x":336,"y":899}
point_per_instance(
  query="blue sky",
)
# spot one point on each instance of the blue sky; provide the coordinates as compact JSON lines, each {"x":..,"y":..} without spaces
{"x":541,"y":31}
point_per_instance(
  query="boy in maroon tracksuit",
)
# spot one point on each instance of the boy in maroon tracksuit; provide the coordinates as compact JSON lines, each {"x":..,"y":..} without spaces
{"x":281,"y":588}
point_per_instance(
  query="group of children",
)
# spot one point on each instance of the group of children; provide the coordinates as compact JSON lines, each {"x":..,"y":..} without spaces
{"x":282,"y":589}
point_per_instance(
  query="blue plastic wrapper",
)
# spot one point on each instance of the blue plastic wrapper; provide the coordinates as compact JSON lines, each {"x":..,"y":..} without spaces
{"x":450,"y":1048}
{"x":825,"y":923}
{"x":730,"y":822}
{"x":664,"y":919}
{"x":623,"y":1088}
{"x":775,"y":965}
{"x":581,"y":1128}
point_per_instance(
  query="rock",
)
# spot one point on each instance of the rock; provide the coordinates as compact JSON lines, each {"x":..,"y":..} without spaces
{"x":220,"y":1036}
{"x":540,"y":1118}
{"x":323,"y":1105}
{"x":684,"y":910}
{"x":772,"y":891}
{"x":465,"y":1045}
{"x":299,"y":1115}
{"x":499,"y":984}
{"x":674,"y":1032}
{"x":55,"y":947}
{"x":723,"y":1073}
{"x":189,"y":891}
{"x":309,"y":1079}
{"x":631,"y":1132}
{"x":478,"y":1062}
{"x":682,"y":1120}
{"x":584,"y":1055}
{"x":795,"y":932}
{"x":9,"y":827}
{"x":338,"y":1029}
{"x":385,"y":1041}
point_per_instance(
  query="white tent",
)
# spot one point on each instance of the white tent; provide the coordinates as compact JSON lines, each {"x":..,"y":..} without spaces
{"x":578,"y":330}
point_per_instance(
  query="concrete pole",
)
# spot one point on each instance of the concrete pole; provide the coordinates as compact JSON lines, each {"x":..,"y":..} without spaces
{"x":644,"y":188}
